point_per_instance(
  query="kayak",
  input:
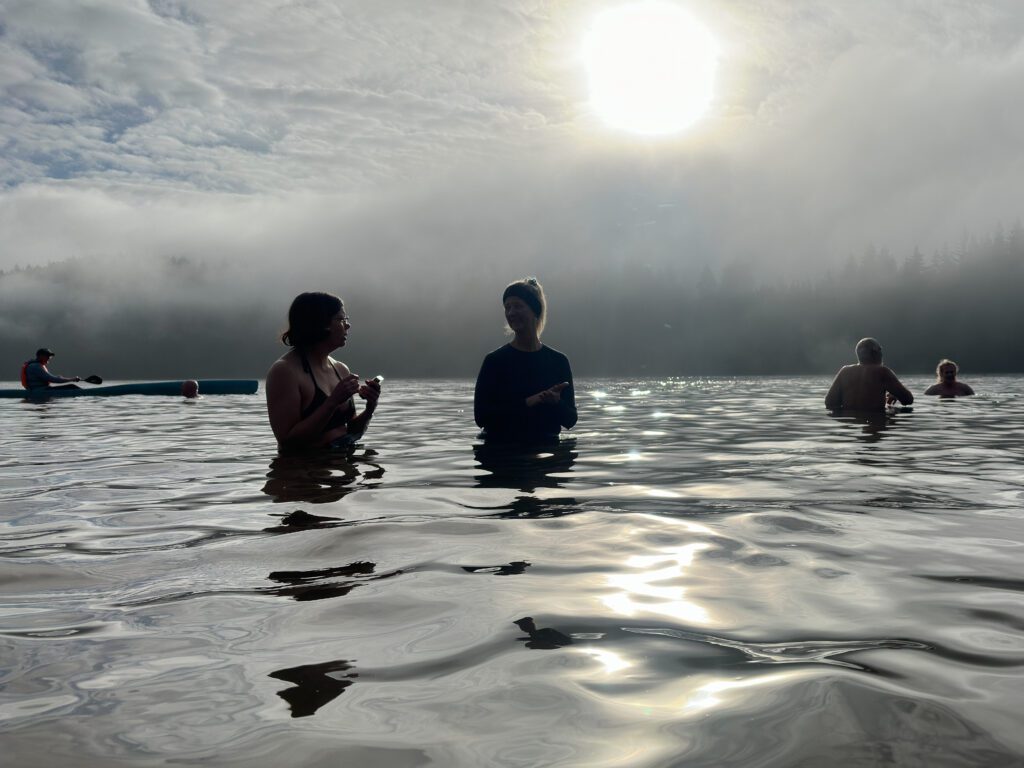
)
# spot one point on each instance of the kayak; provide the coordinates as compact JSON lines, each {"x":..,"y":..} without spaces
{"x":164,"y":388}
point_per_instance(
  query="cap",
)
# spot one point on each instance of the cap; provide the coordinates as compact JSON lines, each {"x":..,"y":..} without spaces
{"x":44,"y":351}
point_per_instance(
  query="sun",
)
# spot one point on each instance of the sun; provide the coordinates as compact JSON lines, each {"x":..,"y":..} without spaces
{"x":651,"y":67}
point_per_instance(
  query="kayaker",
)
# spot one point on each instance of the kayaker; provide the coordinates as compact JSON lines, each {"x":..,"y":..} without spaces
{"x":35,"y":375}
{"x":309,"y":394}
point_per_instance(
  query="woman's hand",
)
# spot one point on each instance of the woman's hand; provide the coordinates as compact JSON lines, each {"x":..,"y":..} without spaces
{"x":370,"y":391}
{"x":548,"y":396}
{"x":344,"y":389}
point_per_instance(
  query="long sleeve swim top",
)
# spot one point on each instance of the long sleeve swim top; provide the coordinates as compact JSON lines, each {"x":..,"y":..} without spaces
{"x":507,"y":377}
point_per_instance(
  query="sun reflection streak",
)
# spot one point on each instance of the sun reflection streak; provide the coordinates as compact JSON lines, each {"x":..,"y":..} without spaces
{"x":611,"y":661}
{"x":655,"y":588}
{"x":714,"y":693}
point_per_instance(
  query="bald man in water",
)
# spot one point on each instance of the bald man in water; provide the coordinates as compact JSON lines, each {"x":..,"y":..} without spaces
{"x":868,"y":385}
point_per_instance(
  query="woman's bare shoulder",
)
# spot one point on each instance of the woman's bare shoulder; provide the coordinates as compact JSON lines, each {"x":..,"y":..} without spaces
{"x":285,"y":366}
{"x":340,"y":367}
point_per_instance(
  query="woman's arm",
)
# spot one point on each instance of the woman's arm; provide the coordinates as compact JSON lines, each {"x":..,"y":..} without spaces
{"x":370,"y":392}
{"x":567,"y":405}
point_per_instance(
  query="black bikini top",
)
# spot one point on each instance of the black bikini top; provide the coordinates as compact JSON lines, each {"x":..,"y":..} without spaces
{"x":341,"y":415}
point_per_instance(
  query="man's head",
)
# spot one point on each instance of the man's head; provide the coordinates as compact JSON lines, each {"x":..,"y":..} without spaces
{"x":43,"y":355}
{"x":190,"y":388}
{"x":869,"y":352}
{"x":946,"y":371}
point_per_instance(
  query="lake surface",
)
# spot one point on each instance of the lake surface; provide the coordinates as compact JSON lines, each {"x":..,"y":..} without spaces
{"x":710,"y":572}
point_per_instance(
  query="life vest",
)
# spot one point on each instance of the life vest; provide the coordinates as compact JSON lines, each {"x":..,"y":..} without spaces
{"x":24,"y":372}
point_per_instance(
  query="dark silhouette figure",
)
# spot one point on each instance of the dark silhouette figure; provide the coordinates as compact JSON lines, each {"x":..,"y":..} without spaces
{"x":310,"y":395}
{"x":524,"y":391}
{"x":868,"y":385}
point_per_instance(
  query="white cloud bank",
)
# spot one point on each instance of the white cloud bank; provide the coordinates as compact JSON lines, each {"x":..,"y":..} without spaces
{"x":444,"y":132}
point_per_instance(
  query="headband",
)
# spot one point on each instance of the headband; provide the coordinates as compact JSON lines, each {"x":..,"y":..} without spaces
{"x":522,"y":291}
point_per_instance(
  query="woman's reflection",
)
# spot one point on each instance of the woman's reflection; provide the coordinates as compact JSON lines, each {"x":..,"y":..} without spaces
{"x":524,"y":467}
{"x":321,"y":478}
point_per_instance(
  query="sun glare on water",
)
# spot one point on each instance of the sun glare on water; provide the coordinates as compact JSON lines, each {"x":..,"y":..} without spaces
{"x":651,"y":67}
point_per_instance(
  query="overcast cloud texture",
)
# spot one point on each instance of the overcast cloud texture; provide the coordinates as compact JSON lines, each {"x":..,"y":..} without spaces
{"x":448,"y":134}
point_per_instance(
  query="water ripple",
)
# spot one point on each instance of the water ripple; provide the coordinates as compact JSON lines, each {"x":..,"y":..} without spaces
{"x":709,"y":572}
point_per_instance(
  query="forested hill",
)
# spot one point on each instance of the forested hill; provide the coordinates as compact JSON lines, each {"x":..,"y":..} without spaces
{"x":183,"y":317}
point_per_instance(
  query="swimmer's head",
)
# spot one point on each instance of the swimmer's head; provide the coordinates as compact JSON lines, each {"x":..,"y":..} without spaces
{"x":946,"y":370}
{"x":869,"y":351}
{"x":190,"y":388}
{"x":309,"y":319}
{"x":531,"y":293}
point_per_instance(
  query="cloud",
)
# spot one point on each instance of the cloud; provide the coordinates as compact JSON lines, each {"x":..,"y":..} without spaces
{"x":443,"y":133}
{"x":264,"y":96}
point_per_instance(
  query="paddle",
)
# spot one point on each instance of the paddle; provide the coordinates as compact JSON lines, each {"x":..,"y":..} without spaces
{"x":94,"y":379}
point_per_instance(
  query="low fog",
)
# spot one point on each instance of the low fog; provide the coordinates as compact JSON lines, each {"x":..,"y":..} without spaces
{"x":181,"y":317}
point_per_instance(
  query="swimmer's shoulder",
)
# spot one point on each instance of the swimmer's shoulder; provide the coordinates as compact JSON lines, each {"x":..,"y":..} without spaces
{"x":340,"y":367}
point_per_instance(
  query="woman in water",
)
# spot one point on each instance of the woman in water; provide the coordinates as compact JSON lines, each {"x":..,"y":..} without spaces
{"x":309,"y":394}
{"x":946,"y":384}
{"x":524,"y":390}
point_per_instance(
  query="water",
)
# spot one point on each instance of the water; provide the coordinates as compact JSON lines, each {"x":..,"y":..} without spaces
{"x":711,"y":573}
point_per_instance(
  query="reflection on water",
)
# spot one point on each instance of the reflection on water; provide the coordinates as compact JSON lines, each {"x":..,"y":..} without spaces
{"x":715,"y":573}
{"x":545,"y":638}
{"x":300,"y":520}
{"x":525,"y":468}
{"x":315,"y":685}
{"x":322,"y":477}
{"x":872,"y":424}
{"x":322,"y":583}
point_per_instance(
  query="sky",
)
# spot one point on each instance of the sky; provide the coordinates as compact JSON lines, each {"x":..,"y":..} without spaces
{"x":443,"y":135}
